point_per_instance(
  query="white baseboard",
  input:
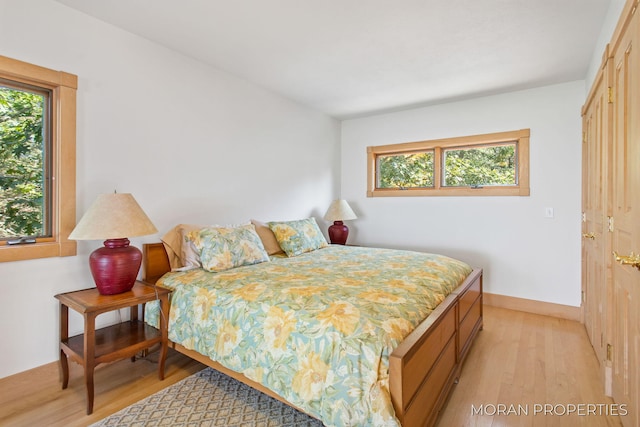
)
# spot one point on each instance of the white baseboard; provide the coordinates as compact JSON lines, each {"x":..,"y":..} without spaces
{"x":535,"y":307}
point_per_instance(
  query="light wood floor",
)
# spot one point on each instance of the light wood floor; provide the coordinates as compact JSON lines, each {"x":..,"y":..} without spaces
{"x":518,"y":359}
{"x":527,"y":359}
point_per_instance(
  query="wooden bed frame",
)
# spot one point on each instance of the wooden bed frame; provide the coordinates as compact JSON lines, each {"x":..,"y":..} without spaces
{"x":422,"y":369}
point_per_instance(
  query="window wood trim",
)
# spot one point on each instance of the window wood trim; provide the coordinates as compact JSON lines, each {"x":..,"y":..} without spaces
{"x":521,"y":189}
{"x":63,"y":133}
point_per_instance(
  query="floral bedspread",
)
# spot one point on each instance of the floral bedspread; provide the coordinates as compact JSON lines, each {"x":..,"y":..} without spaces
{"x":318,"y":328}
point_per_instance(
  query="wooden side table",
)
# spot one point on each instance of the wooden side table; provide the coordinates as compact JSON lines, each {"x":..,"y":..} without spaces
{"x":113,"y":342}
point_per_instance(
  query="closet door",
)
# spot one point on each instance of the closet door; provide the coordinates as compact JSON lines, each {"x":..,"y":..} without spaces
{"x":595,"y":241}
{"x":625,"y":319}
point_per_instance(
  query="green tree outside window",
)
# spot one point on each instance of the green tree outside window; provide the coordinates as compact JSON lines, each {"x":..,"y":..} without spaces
{"x":406,"y":170}
{"x":480,"y":166}
{"x":22,"y":163}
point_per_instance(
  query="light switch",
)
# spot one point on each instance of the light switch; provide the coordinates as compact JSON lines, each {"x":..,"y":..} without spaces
{"x":548,"y":212}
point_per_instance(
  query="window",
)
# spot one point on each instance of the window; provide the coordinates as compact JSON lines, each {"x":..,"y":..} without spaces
{"x":37,"y":161}
{"x":494,"y":164}
{"x":25,"y":188}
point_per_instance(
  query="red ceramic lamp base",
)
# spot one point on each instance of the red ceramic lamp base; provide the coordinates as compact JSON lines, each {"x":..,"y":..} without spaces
{"x":338,"y":233}
{"x":115,"y":266}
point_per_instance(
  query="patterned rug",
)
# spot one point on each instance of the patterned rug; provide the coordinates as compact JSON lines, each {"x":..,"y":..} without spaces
{"x":208,"y":398}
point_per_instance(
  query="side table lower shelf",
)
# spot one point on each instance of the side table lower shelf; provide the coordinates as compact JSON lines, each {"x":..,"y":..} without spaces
{"x":114,"y":342}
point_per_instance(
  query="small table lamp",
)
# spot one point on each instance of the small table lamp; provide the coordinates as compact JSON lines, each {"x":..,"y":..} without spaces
{"x":339,"y":211}
{"x":114,"y":217}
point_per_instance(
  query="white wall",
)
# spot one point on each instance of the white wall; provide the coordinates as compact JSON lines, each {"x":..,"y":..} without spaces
{"x":523,"y":253}
{"x":191,"y":143}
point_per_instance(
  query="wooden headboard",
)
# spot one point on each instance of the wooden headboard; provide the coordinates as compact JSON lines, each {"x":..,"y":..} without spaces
{"x":155,"y":262}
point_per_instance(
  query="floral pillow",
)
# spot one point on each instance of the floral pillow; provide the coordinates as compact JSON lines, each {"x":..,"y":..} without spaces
{"x":180,"y":250}
{"x":298,"y":237}
{"x":222,"y":248}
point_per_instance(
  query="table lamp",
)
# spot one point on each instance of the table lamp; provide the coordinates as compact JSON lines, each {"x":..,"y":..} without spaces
{"x":114,"y":217}
{"x":339,"y":211}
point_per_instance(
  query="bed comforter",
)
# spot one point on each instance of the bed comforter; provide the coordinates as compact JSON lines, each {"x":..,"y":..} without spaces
{"x":318,"y":328}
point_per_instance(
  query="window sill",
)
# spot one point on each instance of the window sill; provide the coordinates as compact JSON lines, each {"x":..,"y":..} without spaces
{"x":466,"y":192}
{"x":37,"y":250}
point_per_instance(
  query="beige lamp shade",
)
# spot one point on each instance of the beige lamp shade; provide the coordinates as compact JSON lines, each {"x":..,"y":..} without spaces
{"x":339,"y":211}
{"x":113,"y":216}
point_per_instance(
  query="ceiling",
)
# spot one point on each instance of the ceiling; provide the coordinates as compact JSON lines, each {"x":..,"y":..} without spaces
{"x":350,"y":58}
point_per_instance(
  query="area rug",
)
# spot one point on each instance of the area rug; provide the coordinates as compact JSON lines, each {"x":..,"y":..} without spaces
{"x":208,"y":398}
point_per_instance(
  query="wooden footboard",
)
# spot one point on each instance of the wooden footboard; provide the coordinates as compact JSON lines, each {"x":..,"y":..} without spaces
{"x":423,"y":368}
{"x":426,"y":365}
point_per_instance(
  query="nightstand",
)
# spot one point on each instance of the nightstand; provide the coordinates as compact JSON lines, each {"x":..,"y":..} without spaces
{"x":114,"y":342}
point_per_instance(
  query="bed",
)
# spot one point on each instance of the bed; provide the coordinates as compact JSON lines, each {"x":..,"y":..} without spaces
{"x":335,"y":364}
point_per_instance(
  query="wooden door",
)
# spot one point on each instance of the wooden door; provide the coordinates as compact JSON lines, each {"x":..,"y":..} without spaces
{"x":625,"y":235}
{"x":595,"y":241}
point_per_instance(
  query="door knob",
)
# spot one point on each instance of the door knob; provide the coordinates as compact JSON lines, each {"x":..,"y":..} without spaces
{"x":631,"y":259}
